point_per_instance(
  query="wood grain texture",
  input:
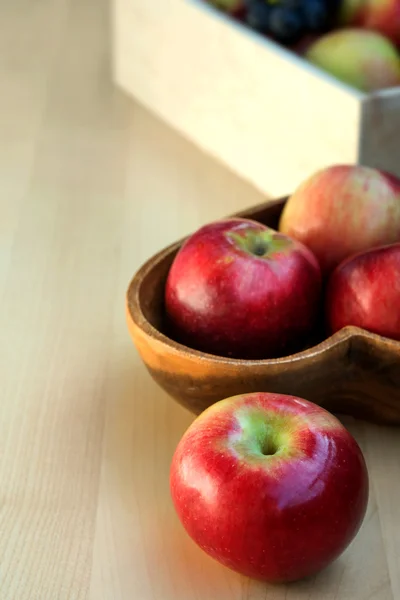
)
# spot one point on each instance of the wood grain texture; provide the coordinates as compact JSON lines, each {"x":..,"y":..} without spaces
{"x":90,"y":187}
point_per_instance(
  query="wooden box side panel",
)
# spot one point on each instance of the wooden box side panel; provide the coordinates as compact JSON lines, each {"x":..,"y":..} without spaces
{"x":380,"y":139}
{"x":270,"y":117}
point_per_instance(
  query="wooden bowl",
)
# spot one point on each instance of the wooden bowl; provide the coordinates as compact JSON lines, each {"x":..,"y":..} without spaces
{"x":352,"y":372}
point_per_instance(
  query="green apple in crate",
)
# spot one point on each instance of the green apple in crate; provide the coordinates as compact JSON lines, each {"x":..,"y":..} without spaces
{"x":364,"y":59}
{"x":271,"y":486}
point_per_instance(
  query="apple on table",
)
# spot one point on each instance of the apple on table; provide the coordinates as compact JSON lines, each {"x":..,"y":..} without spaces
{"x":272,"y":486}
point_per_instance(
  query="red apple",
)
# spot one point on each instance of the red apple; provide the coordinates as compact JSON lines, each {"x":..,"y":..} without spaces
{"x":379,"y":15}
{"x":343,"y":210}
{"x":271,"y":486}
{"x":365,"y":291}
{"x":238,"y":288}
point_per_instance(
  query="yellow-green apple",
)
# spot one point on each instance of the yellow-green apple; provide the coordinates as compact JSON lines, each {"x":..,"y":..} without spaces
{"x":342,"y":210}
{"x":271,"y":486}
{"x":238,"y":288}
{"x":364,"y":291}
{"x":361,"y":58}
{"x":378,"y":15}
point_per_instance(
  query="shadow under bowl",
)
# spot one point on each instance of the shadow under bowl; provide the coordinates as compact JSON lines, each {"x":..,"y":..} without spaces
{"x":352,"y":372}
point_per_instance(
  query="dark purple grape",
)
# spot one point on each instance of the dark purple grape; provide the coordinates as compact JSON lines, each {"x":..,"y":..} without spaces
{"x":257,"y":15}
{"x":286,"y":23}
{"x":317,"y":15}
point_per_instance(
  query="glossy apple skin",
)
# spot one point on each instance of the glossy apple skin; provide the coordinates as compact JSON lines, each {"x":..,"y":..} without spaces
{"x":378,"y":15}
{"x":365,"y":59}
{"x":364,"y":291}
{"x":280,"y":517}
{"x":225,"y":301}
{"x":342,"y":210}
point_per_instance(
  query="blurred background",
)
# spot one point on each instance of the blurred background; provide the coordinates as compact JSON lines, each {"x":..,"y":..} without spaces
{"x":91,"y":185}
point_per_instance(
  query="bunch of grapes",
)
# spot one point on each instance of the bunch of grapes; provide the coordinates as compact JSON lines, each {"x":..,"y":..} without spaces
{"x":287,"y":21}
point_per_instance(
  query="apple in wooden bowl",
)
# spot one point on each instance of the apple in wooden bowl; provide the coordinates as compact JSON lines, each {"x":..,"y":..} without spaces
{"x":351,"y":372}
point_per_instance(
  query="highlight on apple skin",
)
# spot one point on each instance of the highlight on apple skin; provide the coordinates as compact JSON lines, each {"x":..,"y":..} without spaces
{"x":361,"y":58}
{"x":238,"y":288}
{"x":364,"y":291}
{"x":342,"y":210}
{"x":272,"y":486}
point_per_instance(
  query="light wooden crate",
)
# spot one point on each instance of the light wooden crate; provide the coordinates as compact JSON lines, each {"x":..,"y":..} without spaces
{"x":266,"y":113}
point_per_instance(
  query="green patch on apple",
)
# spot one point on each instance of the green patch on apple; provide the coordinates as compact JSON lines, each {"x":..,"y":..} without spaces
{"x":263,"y":243}
{"x":261,"y":437}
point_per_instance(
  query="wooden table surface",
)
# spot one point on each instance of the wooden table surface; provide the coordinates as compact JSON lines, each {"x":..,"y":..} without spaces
{"x":90,"y":186}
